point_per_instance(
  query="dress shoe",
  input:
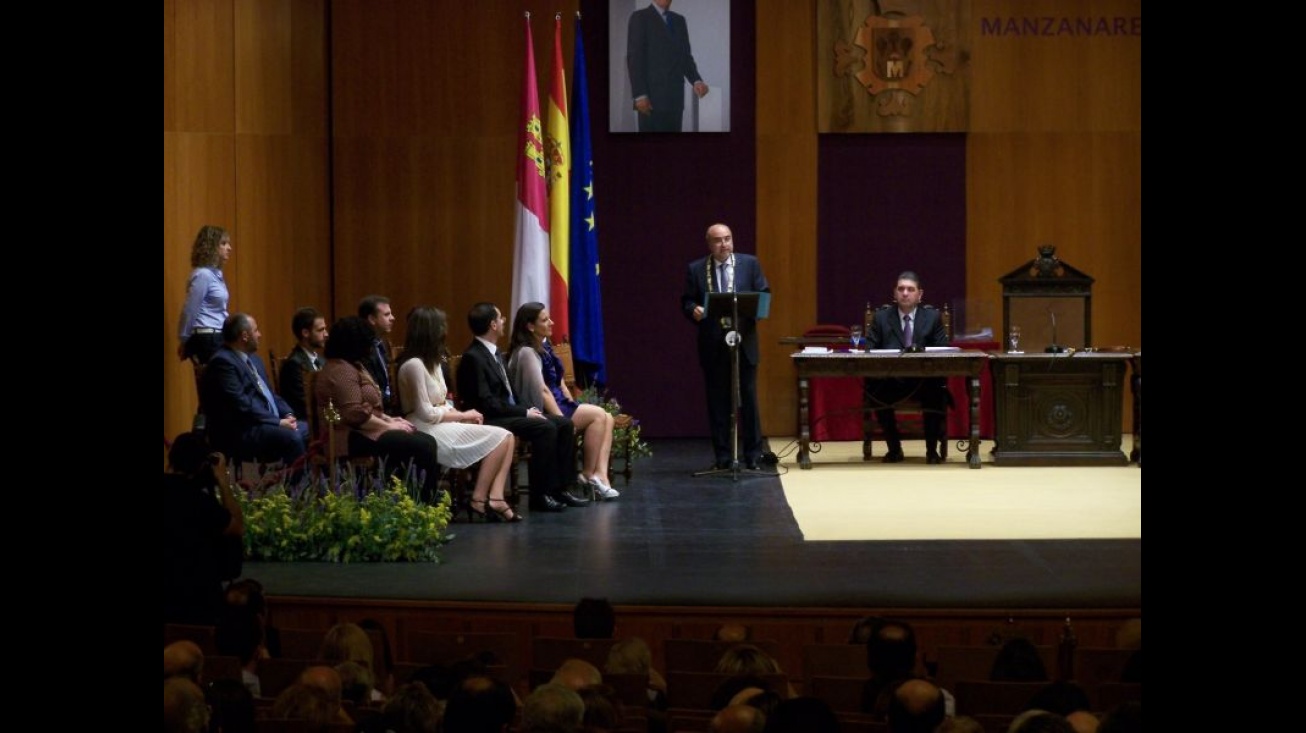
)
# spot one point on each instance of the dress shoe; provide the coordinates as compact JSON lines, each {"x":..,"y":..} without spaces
{"x":933,"y":457}
{"x":893,"y":456}
{"x":546,"y":503}
{"x":568,"y":500}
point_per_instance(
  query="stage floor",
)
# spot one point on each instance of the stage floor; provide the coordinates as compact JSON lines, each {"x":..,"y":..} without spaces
{"x":674,"y":539}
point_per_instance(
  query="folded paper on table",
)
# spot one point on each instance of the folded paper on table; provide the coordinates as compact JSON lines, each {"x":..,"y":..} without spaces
{"x":943,"y":348}
{"x":815,"y":350}
{"x":884,"y":351}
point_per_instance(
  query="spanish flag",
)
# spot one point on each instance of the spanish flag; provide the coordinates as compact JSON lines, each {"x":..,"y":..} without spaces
{"x":559,"y":171}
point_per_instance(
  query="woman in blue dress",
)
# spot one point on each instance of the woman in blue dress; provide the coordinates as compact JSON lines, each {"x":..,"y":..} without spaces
{"x":536,"y":375}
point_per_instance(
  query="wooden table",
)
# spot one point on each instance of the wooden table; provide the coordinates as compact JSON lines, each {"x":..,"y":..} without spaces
{"x":1060,"y":409}
{"x":886,"y":365}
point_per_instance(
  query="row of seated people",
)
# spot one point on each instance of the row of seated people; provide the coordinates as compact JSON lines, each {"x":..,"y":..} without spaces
{"x":247,"y":419}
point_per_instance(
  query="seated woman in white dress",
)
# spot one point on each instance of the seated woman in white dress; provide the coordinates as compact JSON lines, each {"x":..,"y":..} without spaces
{"x":537,"y":380}
{"x":461,"y":436}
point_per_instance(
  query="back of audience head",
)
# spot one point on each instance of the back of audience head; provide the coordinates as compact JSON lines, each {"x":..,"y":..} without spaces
{"x":1039,"y":721}
{"x":864,"y":629}
{"x":1083,"y":721}
{"x":1018,"y":661}
{"x":239,"y":633}
{"x":891,"y":651}
{"x":381,"y":668}
{"x":802,"y":715}
{"x":738,"y":718}
{"x":552,"y":708}
{"x":603,"y":710}
{"x":593,"y":618}
{"x":183,"y":659}
{"x":231,"y":706}
{"x":732,"y":631}
{"x":629,"y":656}
{"x":184,"y":707}
{"x":961,"y":724}
{"x":305,"y":701}
{"x":917,"y":706}
{"x":1061,"y":697}
{"x":1124,"y":718}
{"x":480,"y":704}
{"x":747,"y":659}
{"x":327,"y":681}
{"x":576,"y":674}
{"x":247,"y":592}
{"x":347,"y":642}
{"x":356,"y":683}
{"x":189,"y":453}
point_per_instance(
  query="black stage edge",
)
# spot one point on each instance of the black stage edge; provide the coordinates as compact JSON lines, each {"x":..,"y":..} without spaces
{"x":675,"y":540}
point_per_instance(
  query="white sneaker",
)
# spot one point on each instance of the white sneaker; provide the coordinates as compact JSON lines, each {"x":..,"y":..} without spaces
{"x":602,"y":489}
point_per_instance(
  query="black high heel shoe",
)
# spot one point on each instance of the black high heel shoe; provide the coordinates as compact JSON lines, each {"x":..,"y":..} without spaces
{"x":473,"y":513}
{"x":502,"y":515}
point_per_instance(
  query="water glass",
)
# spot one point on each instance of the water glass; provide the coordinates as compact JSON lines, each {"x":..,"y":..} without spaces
{"x":855,"y":338}
{"x":1013,"y":340}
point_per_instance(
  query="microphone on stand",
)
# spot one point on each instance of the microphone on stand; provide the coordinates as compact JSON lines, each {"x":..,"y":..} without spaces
{"x":1054,"y":347}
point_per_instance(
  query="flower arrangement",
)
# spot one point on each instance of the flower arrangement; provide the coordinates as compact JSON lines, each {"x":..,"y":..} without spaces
{"x":363,"y":519}
{"x":625,"y":429}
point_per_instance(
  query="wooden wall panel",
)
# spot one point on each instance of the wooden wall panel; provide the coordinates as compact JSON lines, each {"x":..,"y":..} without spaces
{"x":786,"y":197}
{"x":1050,"y":77}
{"x":267,"y":183}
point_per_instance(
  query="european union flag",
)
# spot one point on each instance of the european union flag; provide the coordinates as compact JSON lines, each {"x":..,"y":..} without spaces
{"x":585,"y":302}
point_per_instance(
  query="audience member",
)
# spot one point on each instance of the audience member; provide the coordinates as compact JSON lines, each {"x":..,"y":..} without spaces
{"x":726,"y":692}
{"x":732,"y":631}
{"x":1061,"y":697}
{"x":364,"y":426}
{"x":738,"y":718}
{"x":239,"y":634}
{"x":231,"y":707}
{"x":802,"y":715}
{"x":916,"y":706}
{"x":864,"y":629}
{"x":243,"y":417}
{"x":203,"y":527}
{"x":347,"y":642}
{"x":205,"y":308}
{"x":462,"y":436}
{"x":483,"y":386}
{"x":480,"y":704}
{"x":538,"y":381}
{"x":1039,"y":721}
{"x":383,"y":668}
{"x":1018,"y":661}
{"x":909,"y":327}
{"x":891,"y":658}
{"x":593,"y":618}
{"x":249,"y":592}
{"x":184,"y":707}
{"x":552,"y":708}
{"x":356,"y":683}
{"x":1083,"y":721}
{"x":328,"y":682}
{"x":576,"y":674}
{"x":961,"y":724}
{"x":747,"y":659}
{"x":633,"y":656}
{"x":1124,"y":718}
{"x":309,"y":328}
{"x":183,"y":659}
{"x":375,"y":309}
{"x":303,"y":701}
{"x":603,"y":709}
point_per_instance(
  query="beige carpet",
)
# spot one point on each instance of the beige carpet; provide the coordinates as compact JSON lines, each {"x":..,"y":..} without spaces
{"x":844,"y":498}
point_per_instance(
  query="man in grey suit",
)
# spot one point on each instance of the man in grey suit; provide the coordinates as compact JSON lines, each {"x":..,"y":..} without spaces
{"x":909,"y":326}
{"x":659,"y":62}
{"x":725,"y":271}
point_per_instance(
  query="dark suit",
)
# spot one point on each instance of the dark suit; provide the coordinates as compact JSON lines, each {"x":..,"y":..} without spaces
{"x":659,"y":62}
{"x":483,"y":386}
{"x":886,"y":333}
{"x":291,"y":387}
{"x":237,"y":418}
{"x":714,"y":357}
{"x":378,"y":365}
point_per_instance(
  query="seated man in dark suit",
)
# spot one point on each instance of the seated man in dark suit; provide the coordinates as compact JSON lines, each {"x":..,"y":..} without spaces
{"x":310,"y":332}
{"x":376,"y":310}
{"x":910,"y":327}
{"x":243,"y":418}
{"x":483,"y":385}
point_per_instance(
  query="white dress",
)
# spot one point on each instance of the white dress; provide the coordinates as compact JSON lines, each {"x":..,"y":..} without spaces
{"x":425,"y":399}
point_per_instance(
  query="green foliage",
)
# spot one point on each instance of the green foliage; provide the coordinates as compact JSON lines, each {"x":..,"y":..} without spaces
{"x":624,"y":430}
{"x":355,"y":523}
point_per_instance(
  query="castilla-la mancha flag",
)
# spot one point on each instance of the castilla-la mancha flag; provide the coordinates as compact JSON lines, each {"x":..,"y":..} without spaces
{"x":559,"y":171}
{"x":530,"y":268}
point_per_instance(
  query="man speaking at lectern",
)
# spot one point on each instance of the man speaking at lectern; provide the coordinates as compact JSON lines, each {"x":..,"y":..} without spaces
{"x":725,"y":271}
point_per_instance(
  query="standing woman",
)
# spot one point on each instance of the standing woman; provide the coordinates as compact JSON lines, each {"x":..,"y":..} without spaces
{"x":537,"y":381}
{"x":463,"y":436}
{"x":200,"y":330}
{"x":364,"y":427}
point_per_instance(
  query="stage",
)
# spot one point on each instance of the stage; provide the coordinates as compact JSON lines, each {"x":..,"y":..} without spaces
{"x":674,"y":539}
